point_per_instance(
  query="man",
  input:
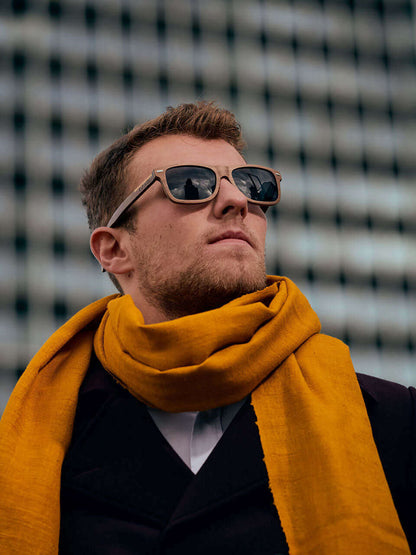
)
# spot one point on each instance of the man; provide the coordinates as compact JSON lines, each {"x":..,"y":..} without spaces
{"x":200,"y":410}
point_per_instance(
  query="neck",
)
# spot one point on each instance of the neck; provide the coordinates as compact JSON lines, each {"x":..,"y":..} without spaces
{"x":152,"y":313}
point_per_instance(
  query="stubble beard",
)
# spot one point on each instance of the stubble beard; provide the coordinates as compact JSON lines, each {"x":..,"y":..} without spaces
{"x":204,"y":285}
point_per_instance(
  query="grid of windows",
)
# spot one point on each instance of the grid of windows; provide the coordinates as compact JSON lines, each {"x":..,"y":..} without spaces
{"x":325,"y":91}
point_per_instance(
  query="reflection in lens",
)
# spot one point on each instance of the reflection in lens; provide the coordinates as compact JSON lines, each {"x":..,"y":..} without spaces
{"x":191,"y":192}
{"x":190,"y":182}
{"x":256,"y":183}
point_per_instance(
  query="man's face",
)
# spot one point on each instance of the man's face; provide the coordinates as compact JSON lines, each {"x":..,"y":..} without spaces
{"x":192,"y":258}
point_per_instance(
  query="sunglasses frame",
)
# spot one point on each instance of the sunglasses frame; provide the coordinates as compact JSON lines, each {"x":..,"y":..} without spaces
{"x":220,"y":172}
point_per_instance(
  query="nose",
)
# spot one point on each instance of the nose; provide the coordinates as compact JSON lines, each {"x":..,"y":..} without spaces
{"x":230,"y":200}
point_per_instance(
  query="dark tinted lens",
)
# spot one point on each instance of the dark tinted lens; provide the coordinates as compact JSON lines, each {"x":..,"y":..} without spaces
{"x":256,"y":183}
{"x":190,"y":182}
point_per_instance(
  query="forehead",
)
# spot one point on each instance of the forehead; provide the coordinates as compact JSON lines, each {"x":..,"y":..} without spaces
{"x":182,"y":149}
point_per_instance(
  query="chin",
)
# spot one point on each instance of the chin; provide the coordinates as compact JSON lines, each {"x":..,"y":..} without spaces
{"x":239,"y":274}
{"x":222,"y":285}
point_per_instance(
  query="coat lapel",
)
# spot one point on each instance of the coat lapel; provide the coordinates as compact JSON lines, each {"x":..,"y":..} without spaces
{"x":119,"y":457}
{"x":233,"y":467}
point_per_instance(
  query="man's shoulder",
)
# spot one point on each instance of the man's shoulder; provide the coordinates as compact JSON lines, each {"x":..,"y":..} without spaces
{"x":385,"y":395}
{"x":391,"y":409}
{"x":389,"y":405}
{"x":379,"y":388}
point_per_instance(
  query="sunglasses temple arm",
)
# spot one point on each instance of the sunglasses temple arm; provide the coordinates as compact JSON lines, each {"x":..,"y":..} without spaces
{"x":125,"y":205}
{"x":133,"y":196}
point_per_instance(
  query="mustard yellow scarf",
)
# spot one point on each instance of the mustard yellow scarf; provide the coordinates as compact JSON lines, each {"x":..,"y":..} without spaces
{"x":325,"y":475}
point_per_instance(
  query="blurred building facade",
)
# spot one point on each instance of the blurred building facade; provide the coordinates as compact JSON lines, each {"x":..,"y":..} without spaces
{"x":325,"y":91}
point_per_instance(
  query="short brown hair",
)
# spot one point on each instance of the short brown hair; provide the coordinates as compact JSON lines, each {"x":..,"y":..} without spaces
{"x":104,"y":185}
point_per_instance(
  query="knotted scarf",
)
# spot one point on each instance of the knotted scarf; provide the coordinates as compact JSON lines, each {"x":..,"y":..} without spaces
{"x":324,"y":471}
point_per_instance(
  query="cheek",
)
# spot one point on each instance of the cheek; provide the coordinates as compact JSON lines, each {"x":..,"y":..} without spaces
{"x":170,"y":239}
{"x":262,"y":223}
{"x":259,"y":226}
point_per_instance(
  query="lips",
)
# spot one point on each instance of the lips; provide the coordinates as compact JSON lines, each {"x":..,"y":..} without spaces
{"x":240,"y":235}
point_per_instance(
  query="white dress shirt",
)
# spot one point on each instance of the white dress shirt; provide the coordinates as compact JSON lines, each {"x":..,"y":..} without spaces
{"x":193,"y":435}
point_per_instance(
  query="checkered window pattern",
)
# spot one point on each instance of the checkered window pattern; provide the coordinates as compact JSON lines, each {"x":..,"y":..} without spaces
{"x":325,"y":91}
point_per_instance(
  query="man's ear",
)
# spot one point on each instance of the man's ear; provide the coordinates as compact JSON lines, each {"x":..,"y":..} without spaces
{"x":108,"y":247}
